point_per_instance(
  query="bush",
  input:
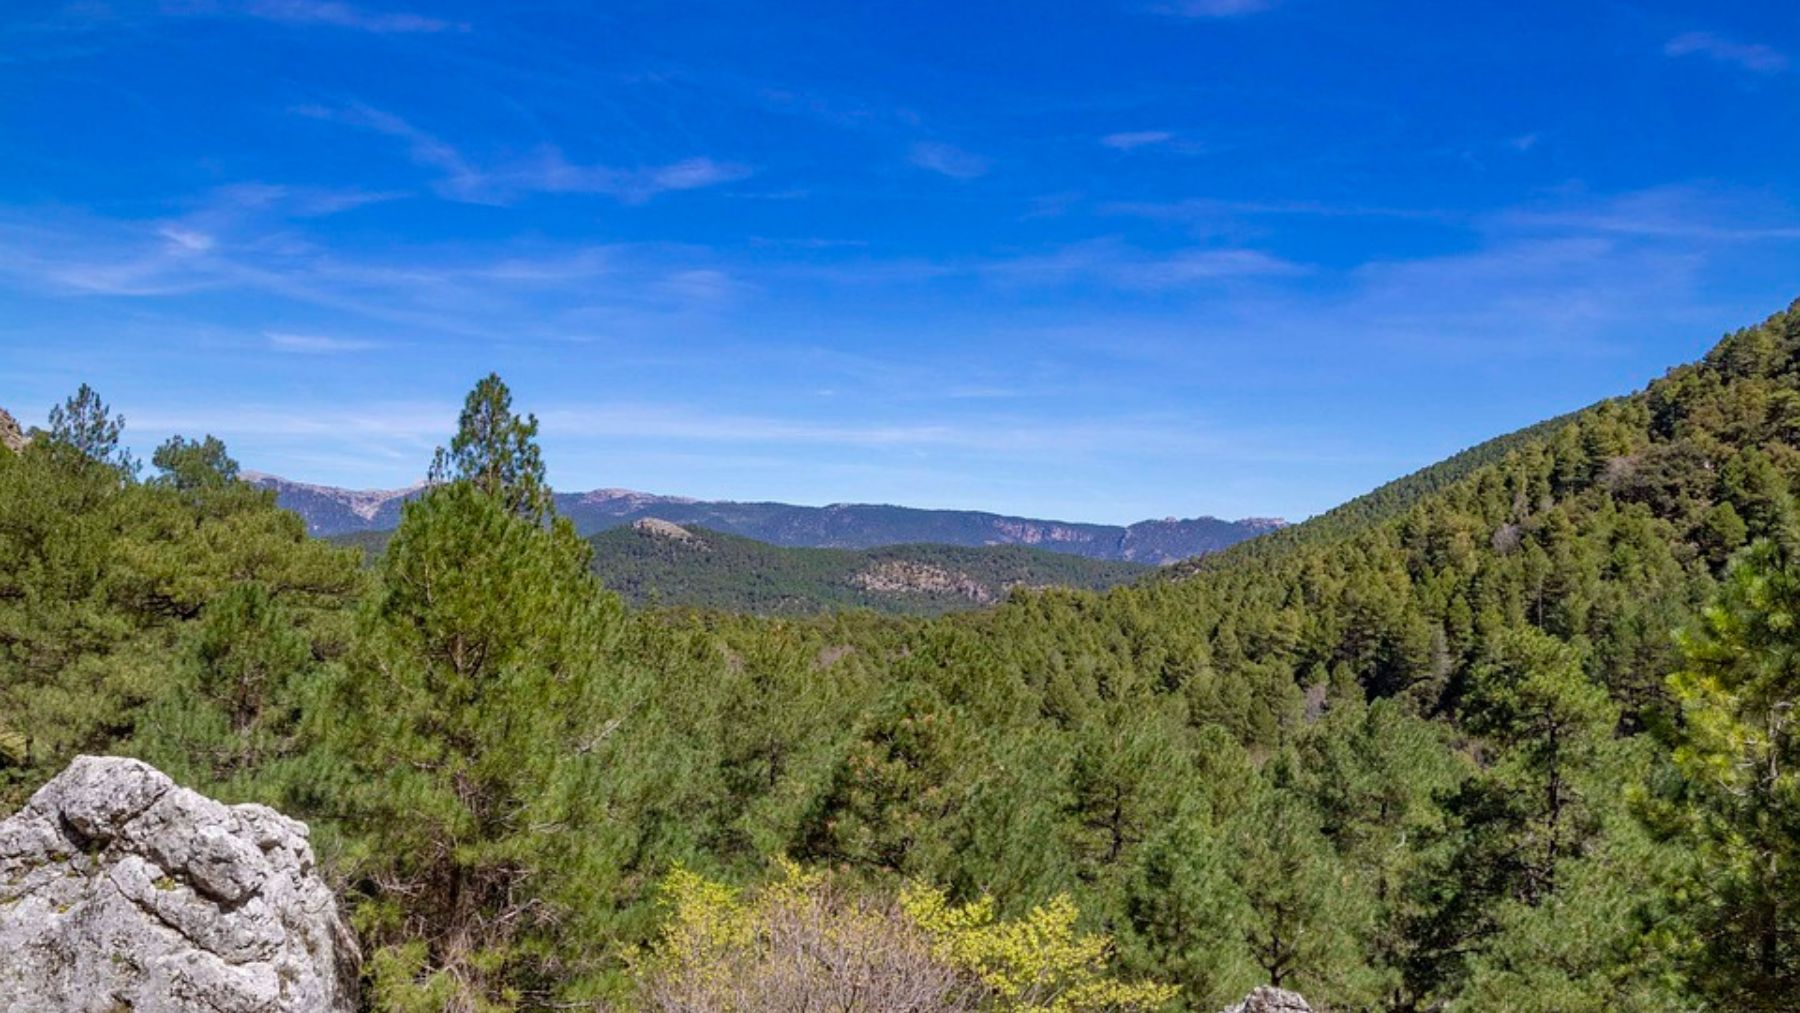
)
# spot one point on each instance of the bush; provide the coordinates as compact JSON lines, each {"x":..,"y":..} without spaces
{"x":1036,"y":964}
{"x":804,"y":943}
{"x":800,"y":943}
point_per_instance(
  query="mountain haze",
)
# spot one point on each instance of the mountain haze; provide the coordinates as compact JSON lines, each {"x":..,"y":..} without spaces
{"x":330,"y":511}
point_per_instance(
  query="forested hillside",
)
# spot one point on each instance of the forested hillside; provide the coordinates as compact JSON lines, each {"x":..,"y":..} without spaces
{"x":659,"y":564}
{"x":655,"y":563}
{"x":1443,"y":749}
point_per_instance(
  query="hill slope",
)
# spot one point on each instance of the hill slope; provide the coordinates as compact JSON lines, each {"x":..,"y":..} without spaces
{"x":330,"y":511}
{"x":654,"y":562}
{"x":657,"y":562}
{"x":1462,"y":683}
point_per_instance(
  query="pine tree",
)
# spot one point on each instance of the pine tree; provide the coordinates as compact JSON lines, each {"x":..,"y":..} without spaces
{"x":496,"y":451}
{"x":83,"y":424}
{"x":476,"y":727}
{"x":1376,"y":775}
{"x":1529,"y":811}
{"x":1305,"y":911}
{"x":1546,"y":721}
{"x":244,"y":675}
{"x":1187,"y":920}
{"x":1736,"y":805}
{"x":194,"y":464}
{"x":892,"y":790}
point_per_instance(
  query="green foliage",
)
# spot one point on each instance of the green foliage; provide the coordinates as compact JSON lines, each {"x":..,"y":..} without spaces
{"x":105,"y":584}
{"x":1546,"y":723}
{"x":717,"y":571}
{"x":800,"y":942}
{"x":1187,"y":916}
{"x":1734,"y":804}
{"x":1304,"y":909}
{"x":891,"y":786}
{"x":194,"y":464}
{"x":1039,"y":963}
{"x":472,"y":729}
{"x":232,"y":714}
{"x":1596,"y":943}
{"x":82,"y":425}
{"x":1396,"y":757}
{"x":713,"y":570}
{"x":496,"y":451}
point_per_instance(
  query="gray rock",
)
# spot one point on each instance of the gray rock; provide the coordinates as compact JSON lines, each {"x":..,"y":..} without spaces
{"x":121,"y":891}
{"x":11,"y":436}
{"x":1269,"y":999}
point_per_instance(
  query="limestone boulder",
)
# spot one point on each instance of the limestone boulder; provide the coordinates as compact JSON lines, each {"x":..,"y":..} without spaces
{"x":121,"y":891}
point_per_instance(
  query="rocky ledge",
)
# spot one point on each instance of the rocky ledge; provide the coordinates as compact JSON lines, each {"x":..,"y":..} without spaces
{"x":899,"y":576}
{"x":121,"y":891}
{"x":11,"y":436}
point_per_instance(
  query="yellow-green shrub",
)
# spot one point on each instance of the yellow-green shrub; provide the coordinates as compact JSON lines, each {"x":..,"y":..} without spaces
{"x":1037,"y":964}
{"x":803,"y":942}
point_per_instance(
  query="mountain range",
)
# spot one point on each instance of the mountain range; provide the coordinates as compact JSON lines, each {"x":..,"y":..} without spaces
{"x":330,"y":511}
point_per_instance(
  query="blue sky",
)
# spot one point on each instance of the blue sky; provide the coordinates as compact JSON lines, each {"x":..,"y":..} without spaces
{"x":1100,"y":260}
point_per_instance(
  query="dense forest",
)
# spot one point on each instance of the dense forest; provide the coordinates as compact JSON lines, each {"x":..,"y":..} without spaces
{"x":654,"y":563}
{"x":1513,"y":733}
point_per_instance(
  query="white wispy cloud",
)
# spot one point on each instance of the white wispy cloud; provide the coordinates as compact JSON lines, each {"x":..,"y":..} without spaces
{"x":1128,"y":139}
{"x":1112,"y":263}
{"x":1748,"y":55}
{"x":316,"y":344}
{"x":334,"y":14}
{"x":401,"y":424}
{"x":1106,"y":263}
{"x":546,"y":171}
{"x":191,"y":240}
{"x":1202,"y":210}
{"x":522,"y":290}
{"x":550,"y":172}
{"x":1215,"y":8}
{"x":458,"y":177}
{"x":1573,"y":277}
{"x":948,"y":160}
{"x":1691,"y":213}
{"x":374,"y":426}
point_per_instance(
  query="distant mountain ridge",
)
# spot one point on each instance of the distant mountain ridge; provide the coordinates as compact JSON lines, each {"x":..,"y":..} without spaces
{"x":329,"y":511}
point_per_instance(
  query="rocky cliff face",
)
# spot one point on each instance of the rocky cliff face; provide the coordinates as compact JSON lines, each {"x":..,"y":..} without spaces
{"x":11,"y":436}
{"x":121,"y":891}
{"x":899,"y":576}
